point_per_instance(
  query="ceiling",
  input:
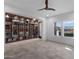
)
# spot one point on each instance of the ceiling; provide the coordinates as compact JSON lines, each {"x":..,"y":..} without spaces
{"x":30,"y":7}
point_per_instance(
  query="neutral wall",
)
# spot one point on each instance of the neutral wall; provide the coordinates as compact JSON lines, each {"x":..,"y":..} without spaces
{"x":47,"y":25}
{"x":48,"y":32}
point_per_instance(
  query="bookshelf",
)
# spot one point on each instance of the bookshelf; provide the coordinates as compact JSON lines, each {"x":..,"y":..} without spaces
{"x":20,"y":28}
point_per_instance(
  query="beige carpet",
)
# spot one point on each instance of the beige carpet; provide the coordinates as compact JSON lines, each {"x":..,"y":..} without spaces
{"x":38,"y":49}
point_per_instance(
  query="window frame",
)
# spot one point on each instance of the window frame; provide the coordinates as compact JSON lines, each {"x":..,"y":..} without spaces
{"x":62,"y":29}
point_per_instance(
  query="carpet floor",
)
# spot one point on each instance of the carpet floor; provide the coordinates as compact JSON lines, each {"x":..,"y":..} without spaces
{"x":38,"y":49}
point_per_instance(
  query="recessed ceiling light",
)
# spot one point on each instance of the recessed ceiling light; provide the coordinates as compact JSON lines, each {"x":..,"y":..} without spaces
{"x":34,"y":19}
{"x":47,"y":14}
{"x":7,"y":16}
{"x":27,"y":19}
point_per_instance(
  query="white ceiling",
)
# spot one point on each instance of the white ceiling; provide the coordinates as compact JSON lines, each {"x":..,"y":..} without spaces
{"x":29,"y":7}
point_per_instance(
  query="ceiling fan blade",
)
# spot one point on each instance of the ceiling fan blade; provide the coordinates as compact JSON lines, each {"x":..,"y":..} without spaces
{"x":41,"y":9}
{"x":46,"y":7}
{"x":51,"y":9}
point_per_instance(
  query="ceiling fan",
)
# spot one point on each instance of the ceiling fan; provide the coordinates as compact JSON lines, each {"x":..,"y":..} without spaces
{"x":46,"y":7}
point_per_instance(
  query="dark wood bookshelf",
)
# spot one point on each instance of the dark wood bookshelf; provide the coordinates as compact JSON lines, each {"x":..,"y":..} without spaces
{"x":19,"y":28}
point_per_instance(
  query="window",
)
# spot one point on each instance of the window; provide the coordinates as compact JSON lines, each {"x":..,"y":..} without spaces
{"x":57,"y":28}
{"x":68,"y":28}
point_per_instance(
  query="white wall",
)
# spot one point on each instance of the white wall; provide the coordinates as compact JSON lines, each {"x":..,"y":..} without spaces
{"x":47,"y":25}
{"x":49,"y":28}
